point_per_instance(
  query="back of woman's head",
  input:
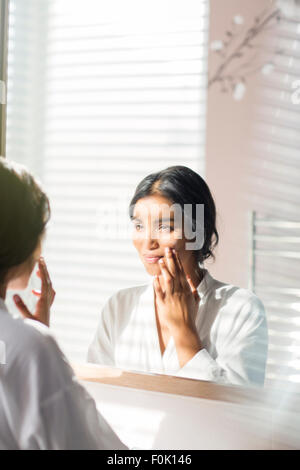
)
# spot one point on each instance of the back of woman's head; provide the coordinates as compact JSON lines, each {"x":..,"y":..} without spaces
{"x":24,"y":213}
{"x":183,"y":186}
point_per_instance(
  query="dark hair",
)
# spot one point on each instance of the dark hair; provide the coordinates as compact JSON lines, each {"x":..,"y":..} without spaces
{"x":181,"y":185}
{"x":24,"y":213}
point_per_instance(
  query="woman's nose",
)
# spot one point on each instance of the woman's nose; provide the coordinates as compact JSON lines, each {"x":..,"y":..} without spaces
{"x":151,"y":240}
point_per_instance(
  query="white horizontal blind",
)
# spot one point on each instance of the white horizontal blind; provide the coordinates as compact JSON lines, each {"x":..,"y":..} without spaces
{"x":26,"y":93}
{"x":112,"y":91}
{"x":276,"y":177}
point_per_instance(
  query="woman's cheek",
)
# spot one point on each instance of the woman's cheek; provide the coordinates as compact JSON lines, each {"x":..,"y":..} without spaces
{"x":172,"y":240}
{"x":165,"y":240}
{"x":136,"y":243}
{"x":21,"y":276}
{"x":136,"y":236}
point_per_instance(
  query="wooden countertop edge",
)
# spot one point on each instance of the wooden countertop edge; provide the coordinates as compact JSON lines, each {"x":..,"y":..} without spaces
{"x":181,"y":386}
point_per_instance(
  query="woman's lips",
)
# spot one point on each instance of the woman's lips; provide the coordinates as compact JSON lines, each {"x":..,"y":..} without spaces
{"x":152,"y":259}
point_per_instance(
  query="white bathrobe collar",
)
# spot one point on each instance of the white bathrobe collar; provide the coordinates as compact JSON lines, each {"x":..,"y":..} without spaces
{"x":167,"y":362}
{"x":205,"y":284}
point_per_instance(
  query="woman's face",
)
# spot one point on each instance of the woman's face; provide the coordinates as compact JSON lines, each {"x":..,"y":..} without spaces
{"x":156,"y":227}
{"x":19,"y":276}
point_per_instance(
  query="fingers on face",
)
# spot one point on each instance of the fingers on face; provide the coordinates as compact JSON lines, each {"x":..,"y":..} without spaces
{"x":182,"y":275}
{"x":158,"y":288}
{"x":193,"y":289}
{"x":168,"y":278}
{"x":22,"y":307}
{"x":177,"y":261}
{"x":44,"y":274}
{"x":171,"y":262}
{"x":175,"y":269}
{"x":53,"y":294}
{"x":47,"y":291}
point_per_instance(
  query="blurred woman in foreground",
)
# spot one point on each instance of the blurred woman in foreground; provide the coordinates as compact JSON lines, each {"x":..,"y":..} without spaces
{"x":42,"y":406}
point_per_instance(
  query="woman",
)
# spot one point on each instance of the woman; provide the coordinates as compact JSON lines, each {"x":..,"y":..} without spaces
{"x":184,"y":322}
{"x":42,"y":406}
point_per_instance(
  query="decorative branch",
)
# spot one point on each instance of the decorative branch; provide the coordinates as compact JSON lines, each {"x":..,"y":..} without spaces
{"x":263,"y":22}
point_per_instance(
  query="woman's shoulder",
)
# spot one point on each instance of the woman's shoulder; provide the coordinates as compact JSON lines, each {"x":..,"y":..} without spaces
{"x":24,"y":332}
{"x":126,"y":298}
{"x":232,"y":295}
{"x":28,"y":342}
{"x":121,"y":305}
{"x":131,"y":293}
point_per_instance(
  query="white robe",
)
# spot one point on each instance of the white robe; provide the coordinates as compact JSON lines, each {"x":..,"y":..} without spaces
{"x":42,"y":405}
{"x":231,"y":324}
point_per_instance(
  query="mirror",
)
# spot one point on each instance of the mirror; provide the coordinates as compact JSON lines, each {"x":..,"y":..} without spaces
{"x":102,"y":94}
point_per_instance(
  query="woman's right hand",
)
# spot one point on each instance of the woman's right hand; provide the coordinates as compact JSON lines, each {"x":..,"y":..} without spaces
{"x":46,"y":298}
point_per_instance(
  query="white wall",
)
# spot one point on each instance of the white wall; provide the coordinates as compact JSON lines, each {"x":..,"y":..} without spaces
{"x":228,"y":138}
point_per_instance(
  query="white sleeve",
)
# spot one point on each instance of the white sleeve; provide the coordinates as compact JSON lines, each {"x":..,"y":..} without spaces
{"x":70,"y":421}
{"x":58,"y":412}
{"x":242,"y":346}
{"x":101,"y":350}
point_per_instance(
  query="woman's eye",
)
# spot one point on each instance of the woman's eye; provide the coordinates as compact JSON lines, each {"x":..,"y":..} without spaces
{"x":138,"y":227}
{"x":165,"y":228}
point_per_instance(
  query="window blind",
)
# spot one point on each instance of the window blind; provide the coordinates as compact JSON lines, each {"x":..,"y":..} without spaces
{"x":100,"y":95}
{"x":275,"y":170}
